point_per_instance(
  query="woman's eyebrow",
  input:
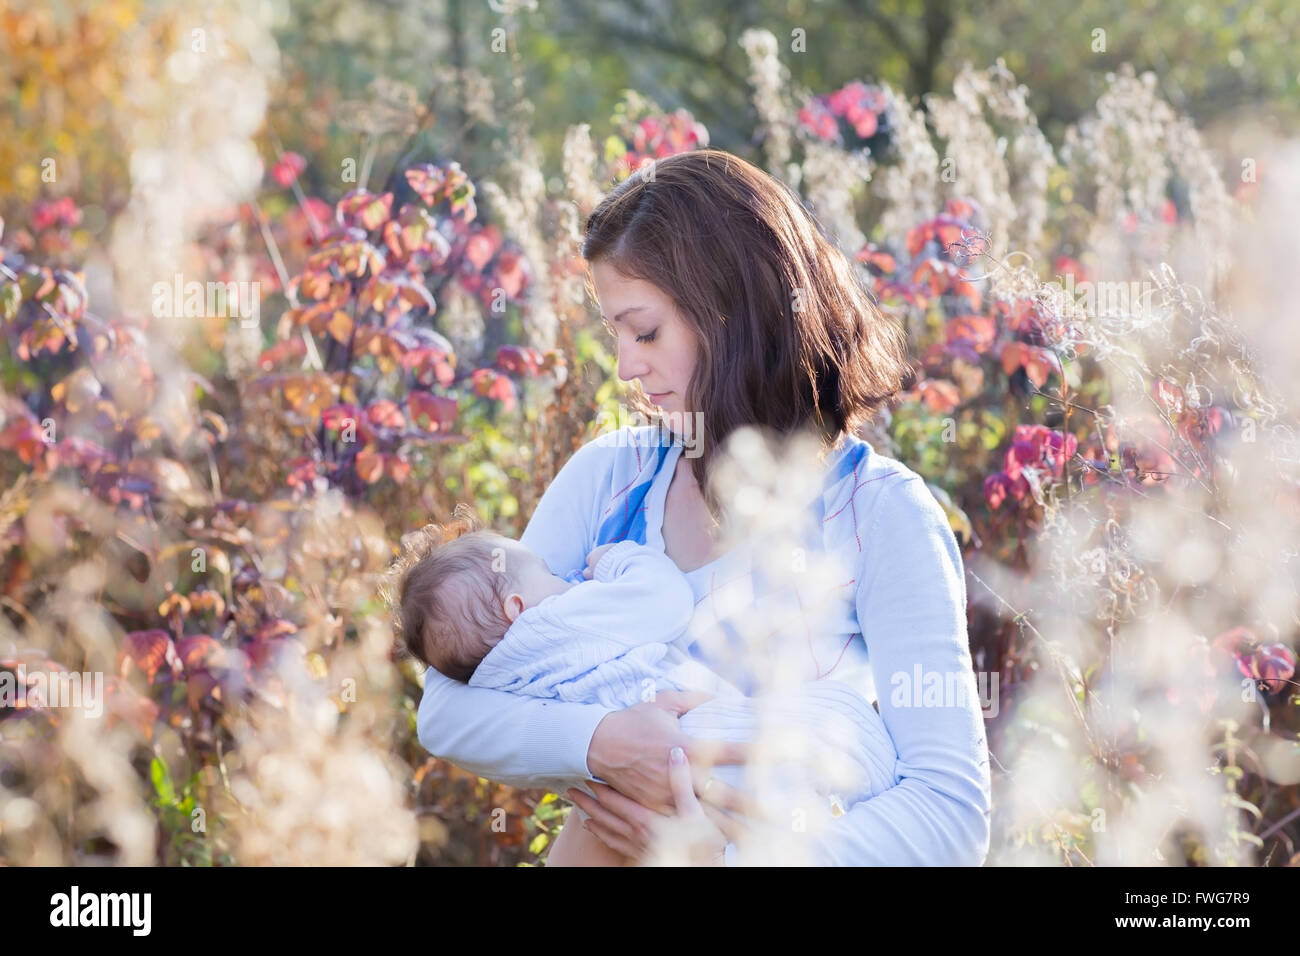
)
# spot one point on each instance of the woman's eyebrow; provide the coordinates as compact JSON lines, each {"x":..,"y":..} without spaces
{"x":635,"y":308}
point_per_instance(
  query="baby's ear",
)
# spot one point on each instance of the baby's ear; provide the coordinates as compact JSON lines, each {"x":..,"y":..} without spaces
{"x":513,"y":606}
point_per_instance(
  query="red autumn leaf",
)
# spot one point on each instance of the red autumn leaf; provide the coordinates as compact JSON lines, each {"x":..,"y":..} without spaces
{"x":314,"y":284}
{"x":370,"y":464}
{"x":940,"y":395}
{"x":356,"y":259}
{"x":24,"y":436}
{"x":979,"y":330}
{"x":948,"y":233}
{"x":427,"y":180}
{"x":398,"y":467}
{"x":364,"y":209}
{"x":337,"y":417}
{"x":511,"y":273}
{"x":289,"y":349}
{"x":385,"y":414}
{"x":264,"y":653}
{"x":491,"y":385}
{"x":864,"y":123}
{"x":1019,"y":454}
{"x":47,"y":214}
{"x":961,"y":209}
{"x":519,"y":360}
{"x":287,"y":168}
{"x":1041,"y":446}
{"x":201,"y":687}
{"x":1270,"y":666}
{"x":150,"y":651}
{"x":995,"y":489}
{"x":430,"y":365}
{"x":946,"y":278}
{"x":818,"y":120}
{"x":306,"y":221}
{"x":1038,"y":363}
{"x":482,"y":246}
{"x":880,"y":263}
{"x":1067,"y":266}
{"x":82,"y":453}
{"x":302,"y":472}
{"x":201,"y":652}
{"x":433,"y":413}
{"x":414,"y":235}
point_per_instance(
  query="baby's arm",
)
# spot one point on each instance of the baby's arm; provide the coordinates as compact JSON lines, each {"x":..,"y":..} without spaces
{"x":642,"y":598}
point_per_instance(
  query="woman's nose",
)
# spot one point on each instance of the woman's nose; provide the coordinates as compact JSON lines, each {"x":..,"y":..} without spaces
{"x":630,"y":363}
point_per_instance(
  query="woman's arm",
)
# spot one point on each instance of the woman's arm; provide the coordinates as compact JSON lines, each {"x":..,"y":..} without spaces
{"x":512,"y":739}
{"x":515,"y":740}
{"x":911,"y":603}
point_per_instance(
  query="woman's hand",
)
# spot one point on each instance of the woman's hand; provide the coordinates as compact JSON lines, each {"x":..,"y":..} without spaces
{"x":629,"y":748}
{"x":697,"y":835}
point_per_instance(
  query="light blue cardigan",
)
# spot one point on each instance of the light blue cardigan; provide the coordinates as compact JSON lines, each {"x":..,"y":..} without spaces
{"x":898,"y":623}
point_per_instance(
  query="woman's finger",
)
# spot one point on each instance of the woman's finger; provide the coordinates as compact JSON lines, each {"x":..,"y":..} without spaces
{"x":710,"y":753}
{"x":726,"y":797}
{"x":632,"y":814}
{"x":600,"y":813}
{"x":680,"y":701}
{"x":612,"y":840}
{"x":682,"y":784}
{"x":734,"y":829}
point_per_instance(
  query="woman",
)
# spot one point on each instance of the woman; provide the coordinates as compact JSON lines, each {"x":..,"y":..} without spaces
{"x":730,"y":308}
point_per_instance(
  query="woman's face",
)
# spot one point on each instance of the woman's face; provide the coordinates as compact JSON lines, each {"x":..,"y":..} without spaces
{"x":656,"y":346}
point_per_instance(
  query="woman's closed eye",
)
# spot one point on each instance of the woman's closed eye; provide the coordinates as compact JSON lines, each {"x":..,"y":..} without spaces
{"x":648,"y":337}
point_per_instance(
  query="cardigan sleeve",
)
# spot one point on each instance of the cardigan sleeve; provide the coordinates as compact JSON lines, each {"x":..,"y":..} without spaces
{"x":642,"y":598}
{"x":911,"y":605}
{"x":516,"y":740}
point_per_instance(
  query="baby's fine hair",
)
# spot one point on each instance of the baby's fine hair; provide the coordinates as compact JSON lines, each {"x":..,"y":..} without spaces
{"x":449,"y":596}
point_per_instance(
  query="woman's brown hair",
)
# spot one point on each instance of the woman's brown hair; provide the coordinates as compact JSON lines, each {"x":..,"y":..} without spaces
{"x":789,"y":338}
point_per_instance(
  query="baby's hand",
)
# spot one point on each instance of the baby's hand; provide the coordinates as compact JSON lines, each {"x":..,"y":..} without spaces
{"x":593,"y":559}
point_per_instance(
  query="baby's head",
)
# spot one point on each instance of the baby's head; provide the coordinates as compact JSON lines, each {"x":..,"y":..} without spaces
{"x":460,"y":598}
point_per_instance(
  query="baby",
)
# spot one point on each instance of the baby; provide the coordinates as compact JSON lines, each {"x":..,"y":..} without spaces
{"x":485,"y":610}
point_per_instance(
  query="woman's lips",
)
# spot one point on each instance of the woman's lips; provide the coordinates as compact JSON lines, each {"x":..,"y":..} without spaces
{"x":656,"y":396}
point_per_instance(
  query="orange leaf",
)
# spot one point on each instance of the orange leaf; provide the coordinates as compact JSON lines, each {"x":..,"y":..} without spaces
{"x":340,"y":326}
{"x":149,"y":650}
{"x":370,"y":465}
{"x":398,"y":468}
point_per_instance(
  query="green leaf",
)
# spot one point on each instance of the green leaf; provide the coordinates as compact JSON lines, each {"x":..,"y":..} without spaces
{"x":11,"y":297}
{"x":538,"y":844}
{"x":162,"y":781}
{"x":614,"y":148}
